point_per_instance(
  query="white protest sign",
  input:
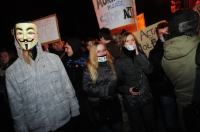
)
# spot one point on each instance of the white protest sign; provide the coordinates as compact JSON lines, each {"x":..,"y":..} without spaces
{"x":115,"y":13}
{"x":48,"y":29}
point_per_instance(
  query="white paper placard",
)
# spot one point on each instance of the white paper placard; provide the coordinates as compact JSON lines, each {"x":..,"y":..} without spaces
{"x":48,"y":29}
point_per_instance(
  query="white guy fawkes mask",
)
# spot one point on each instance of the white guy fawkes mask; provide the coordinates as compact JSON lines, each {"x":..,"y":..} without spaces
{"x":26,"y":35}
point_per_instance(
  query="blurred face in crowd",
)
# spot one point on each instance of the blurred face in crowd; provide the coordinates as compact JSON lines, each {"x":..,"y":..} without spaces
{"x":197,"y":7}
{"x":101,"y":53}
{"x":101,"y":50}
{"x":175,"y":5}
{"x":26,"y":35}
{"x":197,"y":2}
{"x":58,"y":46}
{"x":102,"y":40}
{"x":4,"y":57}
{"x":162,"y":33}
{"x":89,"y":44}
{"x":130,"y":42}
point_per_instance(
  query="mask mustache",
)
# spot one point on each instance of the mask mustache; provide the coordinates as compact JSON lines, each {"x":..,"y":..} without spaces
{"x":26,"y":40}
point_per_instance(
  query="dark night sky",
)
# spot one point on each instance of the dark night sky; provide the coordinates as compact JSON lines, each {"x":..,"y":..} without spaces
{"x":76,"y":18}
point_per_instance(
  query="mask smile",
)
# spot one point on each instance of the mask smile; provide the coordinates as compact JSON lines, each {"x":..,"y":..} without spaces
{"x":26,"y":35}
{"x":26,"y":40}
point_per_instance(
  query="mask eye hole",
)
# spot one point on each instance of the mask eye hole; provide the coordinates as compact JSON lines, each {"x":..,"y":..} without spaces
{"x":18,"y":33}
{"x":31,"y":33}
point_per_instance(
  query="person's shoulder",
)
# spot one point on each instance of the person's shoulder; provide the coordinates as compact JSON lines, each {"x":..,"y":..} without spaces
{"x":152,"y":52}
{"x":51,"y":55}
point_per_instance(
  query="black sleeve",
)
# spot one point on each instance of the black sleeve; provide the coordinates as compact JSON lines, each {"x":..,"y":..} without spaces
{"x":144,"y":63}
{"x":198,"y":55}
{"x":89,"y":86}
{"x":122,"y":88}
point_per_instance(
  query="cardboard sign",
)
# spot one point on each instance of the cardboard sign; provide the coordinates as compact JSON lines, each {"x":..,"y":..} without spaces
{"x":48,"y":29}
{"x":147,"y":37}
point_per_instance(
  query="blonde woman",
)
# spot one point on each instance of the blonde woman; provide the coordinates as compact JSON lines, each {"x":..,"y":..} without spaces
{"x":99,"y":82}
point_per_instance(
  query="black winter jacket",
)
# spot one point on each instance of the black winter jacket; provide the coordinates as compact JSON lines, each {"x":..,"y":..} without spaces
{"x":159,"y":82}
{"x":102,"y":95}
{"x":131,"y":71}
{"x":196,"y":97}
{"x":105,"y":84}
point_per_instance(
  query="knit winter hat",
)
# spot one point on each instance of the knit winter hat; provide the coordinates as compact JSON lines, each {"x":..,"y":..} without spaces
{"x":184,"y":22}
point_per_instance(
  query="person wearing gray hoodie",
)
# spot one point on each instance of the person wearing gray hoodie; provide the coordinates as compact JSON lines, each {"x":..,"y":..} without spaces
{"x":41,"y":96}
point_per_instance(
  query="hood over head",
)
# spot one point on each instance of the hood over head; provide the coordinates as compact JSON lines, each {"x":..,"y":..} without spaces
{"x":180,"y":46}
{"x":184,"y":22}
{"x":26,"y":38}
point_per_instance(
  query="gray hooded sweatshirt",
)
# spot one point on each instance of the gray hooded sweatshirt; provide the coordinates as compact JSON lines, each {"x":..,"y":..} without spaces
{"x":40,"y":94}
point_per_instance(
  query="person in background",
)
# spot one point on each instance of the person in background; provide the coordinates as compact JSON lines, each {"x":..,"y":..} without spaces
{"x":75,"y":65}
{"x":131,"y":68}
{"x":6,"y":122}
{"x":195,"y":105}
{"x":45,"y":47}
{"x":100,"y":83}
{"x":88,"y":42}
{"x":176,"y":5}
{"x":179,"y":60}
{"x":4,"y":64}
{"x":197,"y":9}
{"x":162,"y":87}
{"x":106,"y":38}
{"x":196,"y":92}
{"x":40,"y":94}
{"x":62,"y":49}
{"x":71,"y":55}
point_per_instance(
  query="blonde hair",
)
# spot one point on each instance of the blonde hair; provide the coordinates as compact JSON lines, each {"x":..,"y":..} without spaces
{"x":92,"y":63}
